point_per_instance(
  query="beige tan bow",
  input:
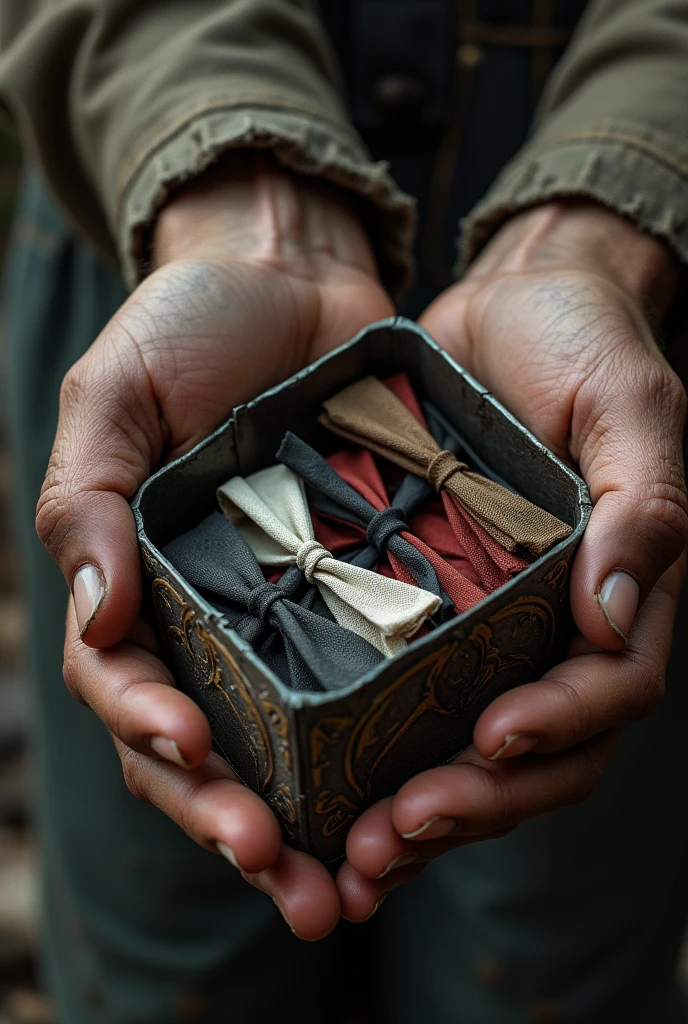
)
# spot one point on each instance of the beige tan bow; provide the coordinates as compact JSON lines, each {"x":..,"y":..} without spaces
{"x":270,"y":510}
{"x":369,"y":414}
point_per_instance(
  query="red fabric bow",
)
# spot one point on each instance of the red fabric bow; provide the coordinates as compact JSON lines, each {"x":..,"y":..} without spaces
{"x":359,"y":469}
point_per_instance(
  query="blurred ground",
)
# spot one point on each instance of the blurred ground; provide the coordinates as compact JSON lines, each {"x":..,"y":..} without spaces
{"x":20,"y":1000}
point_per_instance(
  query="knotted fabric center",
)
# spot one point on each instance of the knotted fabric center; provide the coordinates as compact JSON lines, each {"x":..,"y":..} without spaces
{"x":308,"y":555}
{"x":441,"y":467}
{"x":261,"y":600}
{"x":384,"y":525}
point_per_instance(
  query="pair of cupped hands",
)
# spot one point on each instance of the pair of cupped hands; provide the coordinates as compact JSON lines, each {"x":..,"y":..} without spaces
{"x":259,"y":272}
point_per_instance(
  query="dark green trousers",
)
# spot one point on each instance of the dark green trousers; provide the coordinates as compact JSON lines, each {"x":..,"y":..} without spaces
{"x":576,"y":917}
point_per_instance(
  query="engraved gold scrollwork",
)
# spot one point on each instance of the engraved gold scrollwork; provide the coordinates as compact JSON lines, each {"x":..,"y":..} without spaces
{"x":212,"y":654}
{"x":280,"y":724}
{"x":492,"y":661}
{"x":282,"y":804}
{"x":373,"y":737}
{"x":368,"y":733}
{"x":558,"y":575}
{"x":253,"y":725}
{"x":326,"y":733}
{"x":339,"y":810}
{"x":167,"y":595}
{"x":211,"y":658}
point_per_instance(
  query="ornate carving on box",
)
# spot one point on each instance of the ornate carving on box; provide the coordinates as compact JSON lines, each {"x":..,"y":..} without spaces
{"x":558,"y":575}
{"x":446,"y":683}
{"x":207,"y":651}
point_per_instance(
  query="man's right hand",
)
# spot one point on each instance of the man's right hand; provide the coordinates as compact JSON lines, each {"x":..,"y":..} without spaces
{"x":258,"y":273}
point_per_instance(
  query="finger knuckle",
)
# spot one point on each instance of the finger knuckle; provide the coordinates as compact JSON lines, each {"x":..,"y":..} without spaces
{"x":501,"y":812}
{"x":666,"y":500}
{"x":116,"y":705}
{"x":74,"y":387}
{"x":51,"y":503}
{"x":72,"y":667}
{"x":101,"y":445}
{"x":666,"y":391}
{"x":53,"y":521}
{"x":590,"y":765}
{"x":649,"y":683}
{"x":134,"y":778}
{"x":191,"y":806}
{"x":577,"y":721}
{"x":651,"y":695}
{"x":186,"y":819}
{"x":661,"y":516}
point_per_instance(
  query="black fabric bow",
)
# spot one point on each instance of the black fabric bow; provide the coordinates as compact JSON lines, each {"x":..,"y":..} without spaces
{"x":300,"y":641}
{"x":328,"y":493}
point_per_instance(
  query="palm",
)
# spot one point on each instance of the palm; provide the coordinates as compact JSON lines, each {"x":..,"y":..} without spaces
{"x":534,"y":342}
{"x":210,"y":335}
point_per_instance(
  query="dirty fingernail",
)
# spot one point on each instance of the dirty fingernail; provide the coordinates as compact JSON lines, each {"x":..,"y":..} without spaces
{"x":168,"y":750}
{"x":618,"y":598}
{"x":433,"y":828}
{"x":515,"y":744}
{"x":399,"y":862}
{"x":228,"y":853}
{"x":88,"y":587}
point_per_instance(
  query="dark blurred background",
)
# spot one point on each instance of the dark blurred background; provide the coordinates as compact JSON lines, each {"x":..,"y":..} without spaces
{"x":21,"y":1001}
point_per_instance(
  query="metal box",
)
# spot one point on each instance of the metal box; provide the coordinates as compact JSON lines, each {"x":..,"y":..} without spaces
{"x":319,"y":759}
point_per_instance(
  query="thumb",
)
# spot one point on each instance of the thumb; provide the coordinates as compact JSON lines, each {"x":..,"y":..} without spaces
{"x":108,"y":437}
{"x":627,"y":427}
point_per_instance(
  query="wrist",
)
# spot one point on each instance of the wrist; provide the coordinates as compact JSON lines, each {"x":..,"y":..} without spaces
{"x":583,"y":235}
{"x":248,"y":207}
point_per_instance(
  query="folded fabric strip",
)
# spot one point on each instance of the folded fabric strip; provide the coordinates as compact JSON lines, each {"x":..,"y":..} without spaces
{"x":494,"y":563}
{"x":491,"y":564}
{"x":432,"y":526}
{"x":309,"y":651}
{"x":363,"y":501}
{"x":360,"y":470}
{"x":369,"y":414}
{"x":271,"y":512}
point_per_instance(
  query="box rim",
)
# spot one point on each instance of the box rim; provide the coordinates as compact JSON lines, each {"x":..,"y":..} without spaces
{"x":297,"y":699}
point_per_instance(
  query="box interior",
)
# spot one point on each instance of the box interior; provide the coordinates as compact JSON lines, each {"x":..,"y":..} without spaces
{"x":249,"y":439}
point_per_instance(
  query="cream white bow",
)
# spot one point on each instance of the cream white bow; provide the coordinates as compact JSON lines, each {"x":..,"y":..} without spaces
{"x":270,"y":510}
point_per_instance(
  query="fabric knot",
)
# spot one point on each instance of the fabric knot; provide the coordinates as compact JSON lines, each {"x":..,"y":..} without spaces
{"x":261,"y":600}
{"x":384,"y":525}
{"x":441,"y":467}
{"x":307,"y":557}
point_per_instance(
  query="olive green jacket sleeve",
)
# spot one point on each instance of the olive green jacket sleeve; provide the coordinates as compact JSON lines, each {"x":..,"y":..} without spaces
{"x":612,"y":126}
{"x":121,"y":100}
